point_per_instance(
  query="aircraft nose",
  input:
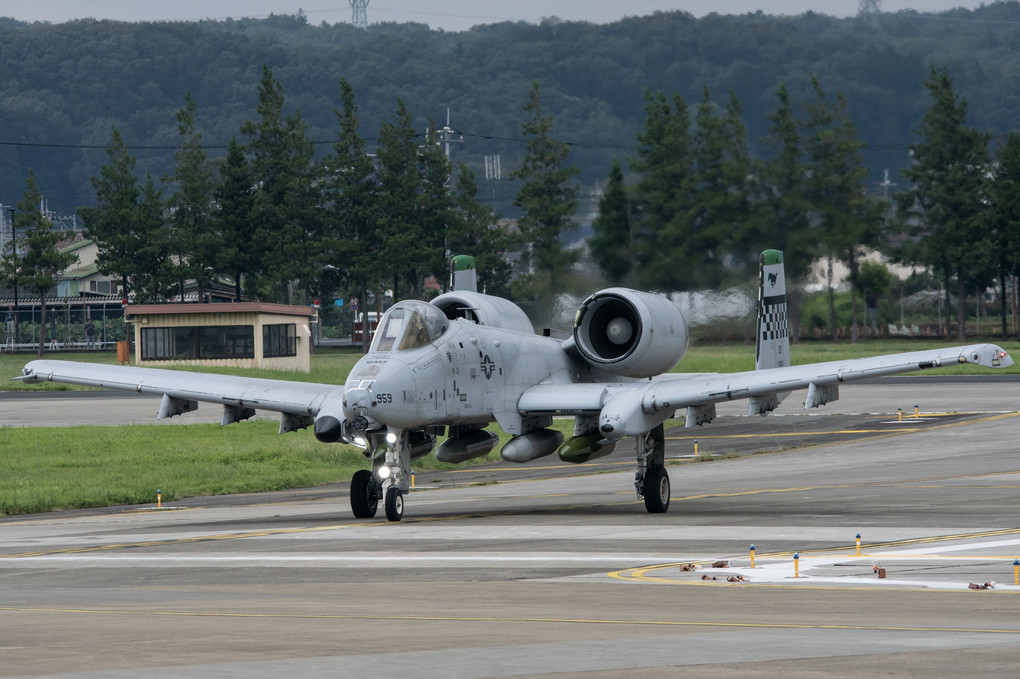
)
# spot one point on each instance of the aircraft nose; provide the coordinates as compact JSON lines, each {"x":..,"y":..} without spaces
{"x":357,"y":401}
{"x":359,"y":404}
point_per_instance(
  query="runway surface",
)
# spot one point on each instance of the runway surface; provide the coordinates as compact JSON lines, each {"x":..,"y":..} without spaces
{"x":549,"y":573}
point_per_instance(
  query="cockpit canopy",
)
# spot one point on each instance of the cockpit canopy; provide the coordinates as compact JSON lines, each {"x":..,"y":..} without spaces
{"x":408,"y":325}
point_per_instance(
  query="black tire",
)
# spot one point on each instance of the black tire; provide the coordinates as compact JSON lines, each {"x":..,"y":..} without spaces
{"x":364,"y":501}
{"x":656,"y":490}
{"x":394,"y":504}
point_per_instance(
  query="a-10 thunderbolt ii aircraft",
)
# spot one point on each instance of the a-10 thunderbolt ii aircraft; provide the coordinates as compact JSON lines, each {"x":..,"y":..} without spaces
{"x":455,"y":365}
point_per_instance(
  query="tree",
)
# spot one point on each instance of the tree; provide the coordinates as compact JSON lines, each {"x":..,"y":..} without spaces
{"x":1005,"y":217}
{"x":239,"y":252}
{"x":126,"y":224}
{"x":284,"y":214}
{"x":436,"y":207}
{"x":663,"y":197}
{"x":350,"y":194}
{"x":192,"y":240}
{"x":948,"y":192}
{"x":722,"y":195}
{"x":399,"y":200}
{"x":39,"y":260}
{"x":475,"y":231}
{"x":548,"y":197}
{"x":848,"y":220}
{"x":611,"y":245}
{"x":783,"y":218}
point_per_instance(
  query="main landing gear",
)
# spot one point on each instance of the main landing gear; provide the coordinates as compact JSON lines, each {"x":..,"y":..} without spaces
{"x":389,"y":479}
{"x":652,"y":480}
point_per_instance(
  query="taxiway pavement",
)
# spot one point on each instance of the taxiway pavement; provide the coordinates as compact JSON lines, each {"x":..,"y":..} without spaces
{"x":566,"y":575}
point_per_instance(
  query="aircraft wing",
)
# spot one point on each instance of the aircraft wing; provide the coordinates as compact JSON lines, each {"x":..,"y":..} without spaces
{"x":299,"y":402}
{"x":633,"y":408}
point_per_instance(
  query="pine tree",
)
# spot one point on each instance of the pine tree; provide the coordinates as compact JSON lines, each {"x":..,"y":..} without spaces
{"x":548,"y":198}
{"x":474,"y":231}
{"x":611,"y":245}
{"x":1005,"y":217}
{"x":39,"y":260}
{"x":351,"y":194}
{"x":948,"y":192}
{"x":238,"y":253}
{"x":663,"y":197}
{"x":399,"y":192}
{"x":722,"y":195}
{"x":848,"y":221}
{"x":125,"y":224}
{"x":783,"y":218}
{"x":192,"y":240}
{"x":435,"y":207}
{"x":285,"y":215}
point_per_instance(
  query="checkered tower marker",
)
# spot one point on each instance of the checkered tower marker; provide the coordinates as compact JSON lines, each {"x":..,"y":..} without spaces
{"x":772,"y":345}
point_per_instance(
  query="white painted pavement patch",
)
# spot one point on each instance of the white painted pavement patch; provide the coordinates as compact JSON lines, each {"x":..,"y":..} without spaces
{"x":816,"y":569}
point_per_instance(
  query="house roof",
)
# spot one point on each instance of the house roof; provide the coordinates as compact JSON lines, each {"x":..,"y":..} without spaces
{"x":219,"y":308}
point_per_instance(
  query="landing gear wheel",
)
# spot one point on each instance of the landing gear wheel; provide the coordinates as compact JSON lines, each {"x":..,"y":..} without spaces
{"x":364,"y":501}
{"x":394,"y":504}
{"x":656,"y":489}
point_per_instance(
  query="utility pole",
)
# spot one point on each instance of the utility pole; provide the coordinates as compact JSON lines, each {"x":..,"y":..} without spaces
{"x":448,"y":135}
{"x":359,"y":13}
{"x":14,"y":248}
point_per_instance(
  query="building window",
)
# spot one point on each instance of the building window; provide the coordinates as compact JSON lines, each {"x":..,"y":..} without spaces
{"x":157,"y":344}
{"x":279,"y":340}
{"x":226,"y":341}
{"x":217,"y":341}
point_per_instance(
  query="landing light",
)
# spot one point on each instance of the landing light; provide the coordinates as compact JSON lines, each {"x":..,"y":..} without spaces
{"x":391,"y":438}
{"x":384,"y":472}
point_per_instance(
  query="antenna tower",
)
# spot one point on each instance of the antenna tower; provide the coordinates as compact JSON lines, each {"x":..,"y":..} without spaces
{"x":359,"y":13}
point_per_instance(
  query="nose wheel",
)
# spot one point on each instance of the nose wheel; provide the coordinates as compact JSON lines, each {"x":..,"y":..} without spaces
{"x":394,"y":504}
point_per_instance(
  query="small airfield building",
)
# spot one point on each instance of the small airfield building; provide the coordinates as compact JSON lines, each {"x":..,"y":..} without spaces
{"x":236,"y":335}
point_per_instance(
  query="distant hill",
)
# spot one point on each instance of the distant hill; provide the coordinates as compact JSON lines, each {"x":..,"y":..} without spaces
{"x":63,"y":86}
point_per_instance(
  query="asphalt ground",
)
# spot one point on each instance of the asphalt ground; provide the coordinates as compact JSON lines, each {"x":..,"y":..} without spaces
{"x":564,"y":574}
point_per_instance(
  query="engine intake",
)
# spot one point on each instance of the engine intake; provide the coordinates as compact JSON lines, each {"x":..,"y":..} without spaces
{"x":630,"y":333}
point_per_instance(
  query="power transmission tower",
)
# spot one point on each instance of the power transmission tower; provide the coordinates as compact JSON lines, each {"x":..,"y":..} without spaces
{"x":870,"y":11}
{"x":869,"y":8}
{"x":359,"y":13}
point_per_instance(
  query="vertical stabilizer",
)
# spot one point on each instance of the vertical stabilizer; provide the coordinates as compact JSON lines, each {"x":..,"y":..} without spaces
{"x":462,"y":271}
{"x":772,"y":344}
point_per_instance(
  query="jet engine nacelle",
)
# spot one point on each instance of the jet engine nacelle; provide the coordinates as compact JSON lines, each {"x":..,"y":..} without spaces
{"x":630,"y":333}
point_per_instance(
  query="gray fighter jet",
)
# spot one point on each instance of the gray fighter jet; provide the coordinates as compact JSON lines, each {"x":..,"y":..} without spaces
{"x":465,"y":360}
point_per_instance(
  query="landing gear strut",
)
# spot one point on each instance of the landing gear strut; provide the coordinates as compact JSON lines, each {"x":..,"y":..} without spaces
{"x":651,"y":480}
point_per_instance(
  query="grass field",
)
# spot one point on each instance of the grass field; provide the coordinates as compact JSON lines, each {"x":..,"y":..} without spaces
{"x":47,"y":468}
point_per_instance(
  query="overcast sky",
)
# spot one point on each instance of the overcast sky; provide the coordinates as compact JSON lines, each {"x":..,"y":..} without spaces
{"x":450,"y":15}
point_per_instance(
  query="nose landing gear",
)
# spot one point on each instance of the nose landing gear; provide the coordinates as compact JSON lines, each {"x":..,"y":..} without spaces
{"x":389,"y":479}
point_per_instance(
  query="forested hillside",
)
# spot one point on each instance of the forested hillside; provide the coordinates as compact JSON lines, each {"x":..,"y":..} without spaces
{"x":63,"y":87}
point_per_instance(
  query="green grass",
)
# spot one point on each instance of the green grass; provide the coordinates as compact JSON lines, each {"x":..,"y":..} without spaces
{"x":51,"y":468}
